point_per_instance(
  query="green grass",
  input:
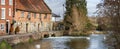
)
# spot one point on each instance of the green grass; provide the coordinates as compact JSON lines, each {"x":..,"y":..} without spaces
{"x":30,"y":40}
{"x":5,"y":45}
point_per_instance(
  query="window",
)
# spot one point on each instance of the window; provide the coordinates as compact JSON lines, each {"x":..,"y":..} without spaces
{"x":22,"y":14}
{"x":2,"y":13}
{"x":45,"y":16}
{"x":9,"y":11}
{"x":34,"y":15}
{"x":28,"y":16}
{"x":2,"y":26}
{"x":2,"y":2}
{"x":40,"y":16}
{"x":10,"y":2}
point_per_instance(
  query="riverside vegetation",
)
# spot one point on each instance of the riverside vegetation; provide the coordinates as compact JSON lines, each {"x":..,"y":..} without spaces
{"x":5,"y":45}
{"x":76,"y":19}
{"x":109,"y":19}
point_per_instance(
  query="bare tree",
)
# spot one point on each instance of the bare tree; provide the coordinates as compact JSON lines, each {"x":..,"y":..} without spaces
{"x":111,"y":10}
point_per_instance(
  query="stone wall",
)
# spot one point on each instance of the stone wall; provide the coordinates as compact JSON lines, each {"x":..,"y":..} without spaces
{"x":22,"y":38}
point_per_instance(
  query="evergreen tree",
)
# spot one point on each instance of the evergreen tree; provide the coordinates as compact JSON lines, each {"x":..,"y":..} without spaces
{"x":76,"y":15}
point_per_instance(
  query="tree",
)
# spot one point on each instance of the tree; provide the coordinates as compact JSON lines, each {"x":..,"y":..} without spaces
{"x":17,"y":29}
{"x":76,"y":15}
{"x":111,"y":9}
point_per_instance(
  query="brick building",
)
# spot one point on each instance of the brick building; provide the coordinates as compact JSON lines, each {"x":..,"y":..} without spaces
{"x":6,"y":16}
{"x":32,"y":16}
{"x":24,"y":15}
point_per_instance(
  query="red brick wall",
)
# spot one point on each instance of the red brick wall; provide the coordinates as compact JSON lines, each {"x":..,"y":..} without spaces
{"x":7,"y":6}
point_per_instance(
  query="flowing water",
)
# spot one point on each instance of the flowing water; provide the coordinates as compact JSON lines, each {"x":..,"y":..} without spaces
{"x":94,"y":41}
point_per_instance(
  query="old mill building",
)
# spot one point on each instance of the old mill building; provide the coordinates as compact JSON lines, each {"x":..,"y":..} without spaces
{"x":24,"y":16}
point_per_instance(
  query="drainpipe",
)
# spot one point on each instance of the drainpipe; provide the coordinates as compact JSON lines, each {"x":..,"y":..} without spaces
{"x":13,"y":14}
{"x":14,"y":8}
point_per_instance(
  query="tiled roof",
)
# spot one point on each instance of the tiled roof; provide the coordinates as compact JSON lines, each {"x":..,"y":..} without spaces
{"x":38,"y":6}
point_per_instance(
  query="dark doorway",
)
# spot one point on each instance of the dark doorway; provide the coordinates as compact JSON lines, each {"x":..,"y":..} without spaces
{"x":27,"y":27}
{"x":7,"y":27}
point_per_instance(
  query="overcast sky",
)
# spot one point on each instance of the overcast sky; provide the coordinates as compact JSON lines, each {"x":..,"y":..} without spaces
{"x":91,"y":6}
{"x":57,"y":6}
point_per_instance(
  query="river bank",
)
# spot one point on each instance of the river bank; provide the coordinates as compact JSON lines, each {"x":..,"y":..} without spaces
{"x":28,"y":37}
{"x":11,"y":40}
{"x":82,"y":33}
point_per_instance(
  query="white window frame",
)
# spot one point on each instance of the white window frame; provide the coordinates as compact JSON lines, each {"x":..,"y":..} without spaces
{"x":22,"y":13}
{"x":35,"y":15}
{"x":2,"y":25}
{"x":45,"y":17}
{"x":10,"y":2}
{"x":10,"y":12}
{"x":2,"y":2}
{"x":40,"y":16}
{"x":3,"y":13}
{"x":29,"y":15}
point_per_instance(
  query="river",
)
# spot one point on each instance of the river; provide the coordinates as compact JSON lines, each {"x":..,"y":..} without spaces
{"x":94,"y":41}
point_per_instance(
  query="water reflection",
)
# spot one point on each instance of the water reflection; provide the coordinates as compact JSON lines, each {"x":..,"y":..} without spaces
{"x":78,"y":43}
{"x":96,"y":42}
{"x":67,"y":42}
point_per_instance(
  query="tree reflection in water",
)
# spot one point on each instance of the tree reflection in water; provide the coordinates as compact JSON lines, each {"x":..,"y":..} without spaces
{"x":78,"y":43}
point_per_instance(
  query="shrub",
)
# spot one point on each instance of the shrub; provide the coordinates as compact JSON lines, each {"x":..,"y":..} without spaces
{"x":5,"y":45}
{"x":17,"y":29}
{"x":30,"y":40}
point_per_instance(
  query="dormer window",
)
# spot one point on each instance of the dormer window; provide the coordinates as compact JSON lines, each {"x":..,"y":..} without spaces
{"x":34,"y":15}
{"x":45,"y":16}
{"x":22,"y":14}
{"x":40,"y":16}
{"x":28,"y":16}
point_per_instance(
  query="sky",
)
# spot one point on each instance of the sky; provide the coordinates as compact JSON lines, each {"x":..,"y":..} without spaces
{"x":57,"y":6}
{"x":91,"y":6}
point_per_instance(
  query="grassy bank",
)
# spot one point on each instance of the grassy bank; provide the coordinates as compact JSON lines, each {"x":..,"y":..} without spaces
{"x":5,"y":45}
